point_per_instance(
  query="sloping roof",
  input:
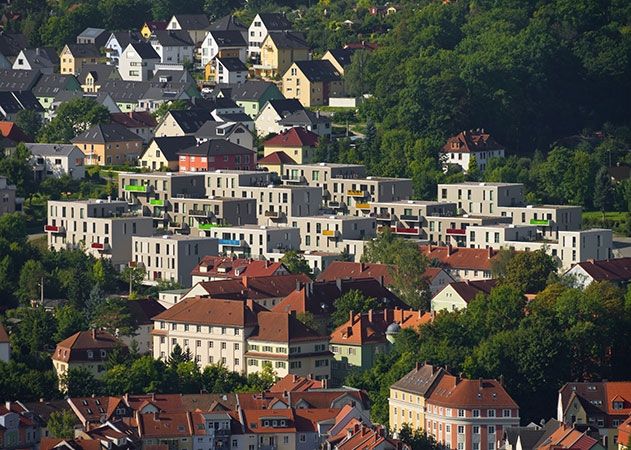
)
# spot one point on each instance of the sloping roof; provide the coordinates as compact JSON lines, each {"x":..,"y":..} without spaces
{"x":468,"y":290}
{"x":277,"y":158}
{"x":10,"y":130}
{"x":282,"y":327}
{"x":227,"y":23}
{"x":190,"y":120}
{"x":52,"y":149}
{"x":256,"y":288}
{"x":126,"y":37}
{"x":233,"y":64}
{"x":84,"y":50}
{"x":318,"y":70}
{"x":165,"y":425}
{"x":455,"y":392}
{"x":12,"y":43}
{"x":288,"y":39}
{"x":293,"y":382}
{"x":44,"y":57}
{"x":471,"y":141}
{"x":204,"y":311}
{"x":624,"y":431}
{"x":100,"y":72}
{"x":419,"y":380}
{"x":303,"y":118}
{"x":228,"y":267}
{"x":285,"y":106}
{"x":275,"y":21}
{"x":214,"y":147}
{"x":142,"y":311}
{"x":77,"y":346}
{"x":49,"y":443}
{"x":171,"y":145}
{"x":51,"y":84}
{"x":144,"y":50}
{"x":233,"y":117}
{"x":18,"y":80}
{"x":294,"y":137}
{"x":91,"y":33}
{"x":192,"y":21}
{"x":134,"y":119}
{"x":566,"y":437}
{"x":157,"y":24}
{"x":617,"y":270}
{"x":12,"y":102}
{"x":177,"y":76}
{"x":212,"y":104}
{"x":318,"y":399}
{"x":103,"y":133}
{"x":172,"y":38}
{"x":460,"y":257}
{"x":228,"y":38}
{"x":210,"y":128}
{"x":343,"y":55}
{"x":250,"y":90}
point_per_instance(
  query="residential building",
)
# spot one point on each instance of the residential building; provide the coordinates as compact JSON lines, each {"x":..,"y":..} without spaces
{"x":17,"y":80}
{"x":624,"y":435}
{"x":48,"y":86}
{"x":255,"y":241}
{"x":171,"y":257}
{"x":215,"y":331}
{"x":341,"y":58}
{"x":57,"y":160}
{"x":150,"y":26}
{"x":103,"y":228}
{"x":549,"y":219}
{"x":274,"y":162}
{"x":216,"y":154}
{"x":252,"y":95}
{"x":173,"y":46}
{"x":312,"y":82}
{"x":237,"y":133}
{"x":182,"y":122}
{"x":93,"y":76}
{"x":44,"y":59}
{"x":117,"y":42}
{"x":95,"y":36}
{"x":142,"y":312}
{"x":261,"y":25}
{"x":107,"y":144}
{"x":462,"y":263}
{"x":311,"y":121}
{"x":201,"y":214}
{"x":11,"y":135}
{"x":5,"y":345}
{"x":11,"y":103}
{"x":74,"y":56}
{"x":458,"y":294}
{"x":230,"y":70}
{"x":278,"y":52}
{"x":232,"y":183}
{"x":330,"y":232}
{"x":298,"y":143}
{"x":7,"y":196}
{"x":288,"y":346}
{"x":87,"y":350}
{"x":137,"y":62}
{"x":482,"y":198}
{"x":604,"y":405}
{"x":468,"y":146}
{"x":19,"y":428}
{"x":617,"y":271}
{"x":212,"y":268}
{"x":278,"y":204}
{"x":162,"y":152}
{"x":195,"y":24}
{"x":141,"y":123}
{"x":568,"y":437}
{"x":267,"y":120}
{"x":452,"y":230}
{"x":223,"y":44}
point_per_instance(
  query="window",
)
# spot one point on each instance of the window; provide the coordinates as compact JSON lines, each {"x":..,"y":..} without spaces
{"x":506,"y":413}
{"x":461,"y":413}
{"x":476,"y":413}
{"x":490,"y":413}
{"x":476,"y":429}
{"x":460,"y":429}
{"x":491,"y":429}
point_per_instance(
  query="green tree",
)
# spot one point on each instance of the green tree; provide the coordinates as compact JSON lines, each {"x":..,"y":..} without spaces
{"x":178,"y":356}
{"x":32,"y":276}
{"x":417,"y":439}
{"x":79,"y":382}
{"x":528,"y":272}
{"x":603,"y":191}
{"x":18,"y":170}
{"x":356,"y":74}
{"x":133,"y":276}
{"x":29,"y":121}
{"x":73,"y":118}
{"x":354,"y":301}
{"x":61,"y":424}
{"x":295,"y":263}
{"x":114,"y":316}
{"x":473,"y":171}
{"x":69,"y":321}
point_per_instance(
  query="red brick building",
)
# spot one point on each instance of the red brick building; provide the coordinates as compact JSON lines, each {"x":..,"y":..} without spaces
{"x":216,"y":154}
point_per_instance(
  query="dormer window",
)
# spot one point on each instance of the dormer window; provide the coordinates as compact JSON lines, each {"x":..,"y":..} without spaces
{"x":90,"y":354}
{"x":618,"y":405}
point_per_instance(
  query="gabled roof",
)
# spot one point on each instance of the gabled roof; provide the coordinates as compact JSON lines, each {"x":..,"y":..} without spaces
{"x":342,"y":55}
{"x":144,"y":50}
{"x":288,"y":39}
{"x":283,"y":327}
{"x":318,"y":399}
{"x":78,"y":346}
{"x":250,"y":90}
{"x":617,"y":270}
{"x":275,"y":21}
{"x":294,"y":137}
{"x":84,"y":50}
{"x":12,"y":102}
{"x":10,"y":130}
{"x":624,"y":431}
{"x":293,"y":382}
{"x":468,"y":290}
{"x":285,"y":106}
{"x":471,"y":141}
{"x":210,"y":130}
{"x":91,"y":33}
{"x":44,"y":57}
{"x":18,"y":80}
{"x":303,"y":118}
{"x":165,"y":425}
{"x":49,"y":85}
{"x":142,"y":311}
{"x":157,"y":24}
{"x":419,"y":380}
{"x":52,"y":149}
{"x":171,"y":145}
{"x":126,"y":37}
{"x":190,"y":120}
{"x":104,"y":133}
{"x":233,"y":64}
{"x":215,"y":147}
{"x":276,"y":158}
{"x":256,"y":288}
{"x":460,"y":257}
{"x":227,"y":23}
{"x":227,"y":267}
{"x":367,"y":438}
{"x":204,"y":311}
{"x":172,"y":38}
{"x":228,"y":38}
{"x":566,"y":437}
{"x":192,"y":21}
{"x":12,"y":43}
{"x":318,"y":70}
{"x":455,"y":392}
{"x":100,"y":72}
{"x":134,"y":119}
{"x":177,"y":76}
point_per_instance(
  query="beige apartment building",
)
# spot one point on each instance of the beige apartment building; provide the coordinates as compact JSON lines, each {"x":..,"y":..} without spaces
{"x":205,"y":213}
{"x":280,"y":204}
{"x":482,"y":198}
{"x":226,"y":183}
{"x":452,"y":230}
{"x":549,"y":219}
{"x":101,"y":228}
{"x":255,"y":241}
{"x":289,"y":347}
{"x":171,"y":257}
{"x":329,"y":233}
{"x":7,"y":196}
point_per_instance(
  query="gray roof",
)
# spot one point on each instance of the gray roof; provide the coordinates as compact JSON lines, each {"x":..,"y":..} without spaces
{"x":303,"y":118}
{"x":233,"y":64}
{"x":275,"y":21}
{"x":101,"y":72}
{"x":228,"y":38}
{"x":192,"y":21}
{"x":190,"y":120}
{"x":144,"y":50}
{"x":529,"y":436}
{"x":343,"y":55}
{"x":216,"y":147}
{"x":124,"y":38}
{"x":419,"y":380}
{"x":288,"y":39}
{"x":84,"y":50}
{"x":172,"y":38}
{"x":91,"y":33}
{"x":104,"y":133}
{"x":318,"y":70}
{"x":170,"y":145}
{"x":51,"y":85}
{"x":177,"y":76}
{"x":227,"y":23}
{"x":12,"y":43}
{"x":125,"y":91}
{"x":212,"y":104}
{"x":165,"y":91}
{"x":209,"y":129}
{"x":18,"y":80}
{"x":43,"y":57}
{"x":238,"y":117}
{"x":250,"y":90}
{"x":286,"y":106}
{"x":51,"y":149}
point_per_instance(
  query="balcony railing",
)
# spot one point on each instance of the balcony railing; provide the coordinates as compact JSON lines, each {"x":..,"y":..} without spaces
{"x":208,"y":226}
{"x":354,"y":193}
{"x":362,"y":205}
{"x":232,"y":242}
{"x":456,"y":231}
{"x":156,"y":202}
{"x":200,"y":213}
{"x":408,"y":218}
{"x":383,"y":216}
{"x":542,"y":222}
{"x":137,"y":188}
{"x":54,"y":229}
{"x":101,"y":247}
{"x":330,"y":233}
{"x":274,"y":214}
{"x":401,"y":230}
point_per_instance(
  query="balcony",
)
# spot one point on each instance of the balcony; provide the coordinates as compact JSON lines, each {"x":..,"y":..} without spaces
{"x":200,"y":213}
{"x":330,"y":233}
{"x":362,"y":205}
{"x":456,"y":231}
{"x":101,"y":247}
{"x":232,"y":243}
{"x":401,"y":230}
{"x":274,"y":215}
{"x":410,"y":218}
{"x":144,"y":188}
{"x":54,"y":229}
{"x":335,"y":204}
{"x":156,"y":202}
{"x":541,"y":222}
{"x":353,"y":193}
{"x":383,"y":228}
{"x":383,"y":216}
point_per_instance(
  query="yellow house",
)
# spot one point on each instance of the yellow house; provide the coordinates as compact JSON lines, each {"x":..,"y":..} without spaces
{"x":297,"y":143}
{"x":312,"y":83}
{"x":279,"y":51}
{"x":274,"y":162}
{"x":162,"y":152}
{"x":340,"y":58}
{"x":106,"y":144}
{"x":209,"y":68}
{"x":74,"y":56}
{"x":87,"y":350}
{"x":408,"y":396}
{"x":150,"y":26}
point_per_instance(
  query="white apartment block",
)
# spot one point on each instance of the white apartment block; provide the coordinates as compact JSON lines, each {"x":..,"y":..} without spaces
{"x":227,"y":183}
{"x":280,"y":204}
{"x":171,"y":257}
{"x":57,"y":160}
{"x":482,"y":198}
{"x":451,"y":230}
{"x":255,"y":241}
{"x":549,"y":219}
{"x":329,"y":233}
{"x":101,"y":228}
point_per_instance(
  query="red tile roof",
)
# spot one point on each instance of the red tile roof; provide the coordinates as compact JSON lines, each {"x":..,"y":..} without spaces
{"x":294,"y":137}
{"x":624,"y":432}
{"x":283,"y":327}
{"x":460,"y":393}
{"x":598,"y":397}
{"x":468,"y":290}
{"x":568,"y":438}
{"x":165,"y":425}
{"x":293,"y":382}
{"x":10,"y":130}
{"x":204,"y":311}
{"x":255,"y":288}
{"x":227,"y":267}
{"x":617,"y":270}
{"x":134,"y":119}
{"x":367,"y":438}
{"x":471,"y":141}
{"x":460,"y":257}
{"x":348,"y":270}
{"x":277,"y":158}
{"x":77,"y":346}
{"x":76,"y":444}
{"x":328,"y":398}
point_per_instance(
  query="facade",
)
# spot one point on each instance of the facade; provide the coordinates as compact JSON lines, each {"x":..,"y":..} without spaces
{"x":212,"y":268}
{"x":297,"y":143}
{"x":616,"y":271}
{"x":261,"y":25}
{"x":329,"y":233}
{"x":458,"y":294}
{"x":195,"y":24}
{"x":161,"y":154}
{"x":101,"y":228}
{"x":234,"y":132}
{"x":312,"y":82}
{"x":57,"y":160}
{"x":141,"y":123}
{"x":173,"y":46}
{"x":230,"y":71}
{"x":74,"y":56}
{"x":482,"y":198}
{"x":201,"y":214}
{"x":267,"y":120}
{"x":171,"y":257}
{"x":467,"y":146}
{"x":279,"y":204}
{"x":182,"y":122}
{"x":7,"y":196}
{"x":216,"y":154}
{"x":254,"y":241}
{"x":137,"y":62}
{"x":279,"y":50}
{"x":106,"y":144}
{"x":223,"y":44}
{"x":252,"y":95}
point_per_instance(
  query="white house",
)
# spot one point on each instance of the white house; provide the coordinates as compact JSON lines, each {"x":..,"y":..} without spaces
{"x":43,"y":59}
{"x":613,"y":270}
{"x":194,"y":24}
{"x":267,"y":120}
{"x":458,"y":294}
{"x":55,"y":160}
{"x":173,"y":46}
{"x":230,"y":71}
{"x":137,"y":62}
{"x":462,"y":148}
{"x":223,"y":43}
{"x":117,"y":42}
{"x":260,"y":26}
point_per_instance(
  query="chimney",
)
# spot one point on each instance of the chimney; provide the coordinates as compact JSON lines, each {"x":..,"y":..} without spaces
{"x":370,"y":315}
{"x":338,"y":283}
{"x":490,"y":252}
{"x":94,"y":333}
{"x":449,"y":250}
{"x":362,"y":267}
{"x":244,"y":281}
{"x":37,"y":51}
{"x":418,"y":366}
{"x":352,"y":317}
